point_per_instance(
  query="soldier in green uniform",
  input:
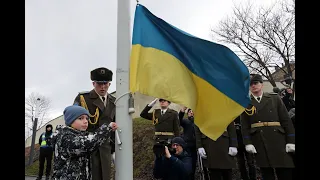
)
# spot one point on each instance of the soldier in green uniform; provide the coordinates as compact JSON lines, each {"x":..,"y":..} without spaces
{"x":268,"y":132}
{"x":165,"y":120}
{"x":101,"y":106}
{"x":218,"y":156}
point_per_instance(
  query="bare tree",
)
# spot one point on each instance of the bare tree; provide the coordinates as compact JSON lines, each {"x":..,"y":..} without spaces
{"x":30,"y":106}
{"x":265,"y":37}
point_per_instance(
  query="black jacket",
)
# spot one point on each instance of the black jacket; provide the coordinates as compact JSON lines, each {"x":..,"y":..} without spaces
{"x":177,"y":167}
{"x":188,"y":130}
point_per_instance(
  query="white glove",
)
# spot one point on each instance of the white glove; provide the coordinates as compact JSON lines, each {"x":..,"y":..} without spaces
{"x":290,"y":148}
{"x":114,"y":157}
{"x":251,"y":149}
{"x":233,"y":151}
{"x":202,"y":153}
{"x":153,"y":102}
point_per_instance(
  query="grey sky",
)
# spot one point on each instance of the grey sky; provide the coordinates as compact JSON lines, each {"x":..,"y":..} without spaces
{"x":66,"y":39}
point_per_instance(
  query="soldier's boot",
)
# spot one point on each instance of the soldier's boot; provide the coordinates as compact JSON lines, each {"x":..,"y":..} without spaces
{"x":39,"y":178}
{"x":47,"y":177}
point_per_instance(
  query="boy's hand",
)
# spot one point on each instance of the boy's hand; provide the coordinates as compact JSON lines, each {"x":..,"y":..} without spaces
{"x":113,"y":126}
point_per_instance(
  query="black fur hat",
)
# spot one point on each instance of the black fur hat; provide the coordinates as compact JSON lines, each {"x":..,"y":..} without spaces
{"x":256,"y":78}
{"x":101,"y":74}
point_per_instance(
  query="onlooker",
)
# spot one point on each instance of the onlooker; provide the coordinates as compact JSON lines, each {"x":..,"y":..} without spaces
{"x":46,"y":152}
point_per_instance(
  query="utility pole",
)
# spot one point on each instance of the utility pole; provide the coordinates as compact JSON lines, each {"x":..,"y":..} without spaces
{"x":124,"y":149}
{"x":35,"y":123}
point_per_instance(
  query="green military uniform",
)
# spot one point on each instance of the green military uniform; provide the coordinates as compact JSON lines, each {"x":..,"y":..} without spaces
{"x":269,"y":129}
{"x":100,"y":114}
{"x":166,"y":126}
{"x":218,"y":151}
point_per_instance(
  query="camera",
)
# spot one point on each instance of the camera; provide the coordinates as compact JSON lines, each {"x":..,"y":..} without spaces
{"x":159,"y":148}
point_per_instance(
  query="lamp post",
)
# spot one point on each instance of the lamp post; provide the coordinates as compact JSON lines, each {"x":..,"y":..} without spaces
{"x":35,"y":123}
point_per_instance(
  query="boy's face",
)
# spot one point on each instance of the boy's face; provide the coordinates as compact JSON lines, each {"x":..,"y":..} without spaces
{"x":81,"y":123}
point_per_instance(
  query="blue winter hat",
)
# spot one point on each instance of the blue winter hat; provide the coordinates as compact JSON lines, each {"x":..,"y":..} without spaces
{"x":71,"y":113}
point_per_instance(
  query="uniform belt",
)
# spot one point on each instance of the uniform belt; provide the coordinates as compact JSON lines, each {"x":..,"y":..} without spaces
{"x":164,"y":133}
{"x":260,"y":124}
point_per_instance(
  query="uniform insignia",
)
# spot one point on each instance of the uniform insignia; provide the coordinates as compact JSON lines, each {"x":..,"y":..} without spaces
{"x":102,"y":71}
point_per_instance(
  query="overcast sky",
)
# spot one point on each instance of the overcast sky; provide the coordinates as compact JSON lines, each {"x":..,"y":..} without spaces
{"x":66,"y":39}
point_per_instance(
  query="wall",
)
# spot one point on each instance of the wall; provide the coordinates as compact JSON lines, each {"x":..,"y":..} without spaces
{"x":57,"y":121}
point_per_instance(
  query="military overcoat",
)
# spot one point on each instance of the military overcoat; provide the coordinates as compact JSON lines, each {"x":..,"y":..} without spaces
{"x":169,"y":122}
{"x":269,"y":141}
{"x":218,"y":151}
{"x":101,"y":159}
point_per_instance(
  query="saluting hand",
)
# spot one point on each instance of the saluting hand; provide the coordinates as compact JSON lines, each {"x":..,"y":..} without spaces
{"x":183,"y":109}
{"x":152,"y":103}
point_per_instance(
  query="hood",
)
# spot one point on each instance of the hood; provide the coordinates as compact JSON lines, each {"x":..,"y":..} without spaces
{"x":49,"y":125}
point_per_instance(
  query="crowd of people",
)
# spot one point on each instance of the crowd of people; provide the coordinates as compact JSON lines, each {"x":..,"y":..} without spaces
{"x":262,"y":136}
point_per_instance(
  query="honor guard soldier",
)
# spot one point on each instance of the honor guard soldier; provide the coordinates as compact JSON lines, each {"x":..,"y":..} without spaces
{"x":165,"y":120}
{"x":101,"y":107}
{"x":218,"y":156}
{"x":268,"y":132}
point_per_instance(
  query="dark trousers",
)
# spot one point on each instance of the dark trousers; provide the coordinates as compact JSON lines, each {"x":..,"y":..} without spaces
{"x":193,"y":152}
{"x":294,"y":171}
{"x":282,"y":173}
{"x":243,"y":157}
{"x":45,"y":155}
{"x":220,"y":174}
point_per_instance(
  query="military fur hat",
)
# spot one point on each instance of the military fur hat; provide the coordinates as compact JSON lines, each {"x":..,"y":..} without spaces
{"x":161,"y":99}
{"x":276,"y":90}
{"x":256,"y":78}
{"x":101,"y":74}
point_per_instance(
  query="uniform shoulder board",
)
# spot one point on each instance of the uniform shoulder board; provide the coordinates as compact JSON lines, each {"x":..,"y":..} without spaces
{"x":84,"y":92}
{"x":112,"y":98}
{"x":112,"y":95}
{"x":272,"y":93}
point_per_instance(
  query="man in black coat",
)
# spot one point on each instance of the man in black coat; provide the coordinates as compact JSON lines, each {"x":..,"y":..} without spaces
{"x":189,"y":136}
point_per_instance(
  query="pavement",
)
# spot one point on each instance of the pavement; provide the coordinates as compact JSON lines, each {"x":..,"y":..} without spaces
{"x":31,"y":178}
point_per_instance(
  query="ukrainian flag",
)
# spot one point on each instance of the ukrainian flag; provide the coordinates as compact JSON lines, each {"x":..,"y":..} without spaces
{"x":171,"y":64}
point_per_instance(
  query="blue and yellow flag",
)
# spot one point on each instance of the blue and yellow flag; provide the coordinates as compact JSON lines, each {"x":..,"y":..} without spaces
{"x":207,"y":77}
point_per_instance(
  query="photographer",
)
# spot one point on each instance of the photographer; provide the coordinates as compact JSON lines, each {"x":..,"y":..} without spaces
{"x":175,"y":166}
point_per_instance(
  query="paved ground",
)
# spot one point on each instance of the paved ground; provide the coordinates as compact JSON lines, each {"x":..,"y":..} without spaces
{"x":31,"y":178}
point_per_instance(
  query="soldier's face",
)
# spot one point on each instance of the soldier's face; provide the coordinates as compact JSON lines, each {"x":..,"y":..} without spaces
{"x":164,"y":104}
{"x":49,"y":128}
{"x":81,"y":123}
{"x":101,"y":87}
{"x":256,"y":87}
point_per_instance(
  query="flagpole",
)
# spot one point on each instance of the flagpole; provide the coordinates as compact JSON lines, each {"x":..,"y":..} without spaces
{"x":123,"y":148}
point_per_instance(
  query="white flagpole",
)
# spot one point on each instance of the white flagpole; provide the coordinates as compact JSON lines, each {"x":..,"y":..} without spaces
{"x":123,"y":148}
